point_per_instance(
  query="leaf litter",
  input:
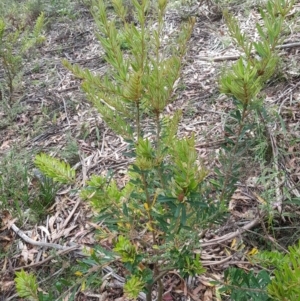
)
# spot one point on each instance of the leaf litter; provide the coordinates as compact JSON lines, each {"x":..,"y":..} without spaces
{"x":52,"y":99}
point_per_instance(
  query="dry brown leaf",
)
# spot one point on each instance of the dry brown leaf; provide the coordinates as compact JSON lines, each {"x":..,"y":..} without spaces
{"x":6,"y":286}
{"x":24,"y":254}
{"x":63,"y":233}
{"x":6,"y":144}
{"x":199,"y":288}
{"x":167,"y":297}
{"x":208,"y":295}
{"x":205,"y":281}
{"x":51,"y":223}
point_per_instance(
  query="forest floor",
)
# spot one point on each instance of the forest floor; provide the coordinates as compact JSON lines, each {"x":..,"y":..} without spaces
{"x":51,"y":115}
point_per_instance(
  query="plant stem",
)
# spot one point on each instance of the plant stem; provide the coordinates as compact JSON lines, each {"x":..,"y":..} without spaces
{"x":157,"y":130}
{"x":158,"y":151}
{"x":233,"y":153}
{"x":149,"y":295}
{"x":10,"y":79}
{"x":138,"y":124}
{"x":160,"y":286}
{"x":160,"y":290}
{"x":149,"y":203}
{"x":142,"y":62}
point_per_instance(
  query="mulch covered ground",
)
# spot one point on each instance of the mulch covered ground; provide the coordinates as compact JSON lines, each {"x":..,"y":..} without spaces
{"x":55,"y":109}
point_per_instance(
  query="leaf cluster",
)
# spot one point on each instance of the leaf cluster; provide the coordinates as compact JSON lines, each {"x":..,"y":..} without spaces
{"x":282,"y":283}
{"x":249,"y":74}
{"x":26,"y":285}
{"x":141,"y":77}
{"x":55,"y":169}
{"x":285,"y":283}
{"x":244,"y":286}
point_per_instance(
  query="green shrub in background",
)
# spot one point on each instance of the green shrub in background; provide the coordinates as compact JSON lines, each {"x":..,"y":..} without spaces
{"x":26,"y":196}
{"x":51,"y":8}
{"x":244,"y":82}
{"x":14,"y":45}
{"x":14,"y":184}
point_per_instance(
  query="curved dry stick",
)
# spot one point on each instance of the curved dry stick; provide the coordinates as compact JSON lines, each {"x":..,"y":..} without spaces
{"x":232,"y":234}
{"x":36,"y":243}
{"x":237,"y":56}
{"x":59,"y":253}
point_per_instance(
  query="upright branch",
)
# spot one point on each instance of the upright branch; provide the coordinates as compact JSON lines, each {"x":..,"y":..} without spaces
{"x":248,"y":76}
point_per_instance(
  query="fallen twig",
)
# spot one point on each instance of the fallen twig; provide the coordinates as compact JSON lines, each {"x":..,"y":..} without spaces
{"x":237,"y":56}
{"x":34,"y":242}
{"x":231,"y":235}
{"x":61,"y":252}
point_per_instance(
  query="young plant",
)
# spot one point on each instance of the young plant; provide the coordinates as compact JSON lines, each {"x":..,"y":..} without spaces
{"x":245,"y":80}
{"x":26,"y":286}
{"x":45,"y":197}
{"x":153,"y":221}
{"x":14,"y":45}
{"x":14,"y":183}
{"x":57,"y":170}
{"x":244,"y":83}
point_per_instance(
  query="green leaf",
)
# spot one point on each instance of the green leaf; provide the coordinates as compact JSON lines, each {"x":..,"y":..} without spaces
{"x":26,"y":285}
{"x":126,"y":250}
{"x":125,"y":209}
{"x":57,"y":170}
{"x":238,"y":282}
{"x":183,"y":216}
{"x":133,"y":286}
{"x":2,"y":29}
{"x":285,"y":285}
